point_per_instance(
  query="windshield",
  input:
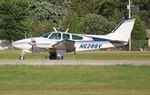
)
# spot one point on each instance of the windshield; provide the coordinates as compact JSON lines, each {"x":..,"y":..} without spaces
{"x":46,"y":34}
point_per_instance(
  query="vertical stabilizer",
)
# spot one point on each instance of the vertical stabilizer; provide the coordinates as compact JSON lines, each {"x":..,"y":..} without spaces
{"x":122,"y":32}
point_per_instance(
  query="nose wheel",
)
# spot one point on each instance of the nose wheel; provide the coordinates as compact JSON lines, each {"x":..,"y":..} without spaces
{"x":21,"y":57}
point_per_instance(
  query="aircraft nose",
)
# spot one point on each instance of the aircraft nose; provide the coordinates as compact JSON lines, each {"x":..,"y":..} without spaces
{"x":16,"y":44}
{"x":19,"y":44}
{"x":22,"y":44}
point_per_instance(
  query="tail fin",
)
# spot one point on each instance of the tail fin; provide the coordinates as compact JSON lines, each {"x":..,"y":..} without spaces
{"x":122,"y":32}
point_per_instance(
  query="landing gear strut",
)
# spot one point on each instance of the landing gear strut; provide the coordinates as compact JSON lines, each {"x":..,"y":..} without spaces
{"x":22,"y":57}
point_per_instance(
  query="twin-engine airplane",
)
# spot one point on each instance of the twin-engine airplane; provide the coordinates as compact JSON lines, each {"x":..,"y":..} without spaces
{"x":57,"y":43}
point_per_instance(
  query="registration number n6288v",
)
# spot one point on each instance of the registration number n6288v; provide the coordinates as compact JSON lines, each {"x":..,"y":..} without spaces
{"x":90,"y":46}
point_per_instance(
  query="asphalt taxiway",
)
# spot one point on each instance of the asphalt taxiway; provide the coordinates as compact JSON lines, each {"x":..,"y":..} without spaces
{"x":74,"y":62}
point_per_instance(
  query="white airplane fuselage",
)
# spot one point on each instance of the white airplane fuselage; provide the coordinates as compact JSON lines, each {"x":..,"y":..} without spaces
{"x":60,"y":42}
{"x":45,"y":44}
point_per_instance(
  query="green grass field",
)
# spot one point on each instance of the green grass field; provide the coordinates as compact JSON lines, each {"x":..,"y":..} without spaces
{"x":89,"y":55}
{"x":74,"y":80}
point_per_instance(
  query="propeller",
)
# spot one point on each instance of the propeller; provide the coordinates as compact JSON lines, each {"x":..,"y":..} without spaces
{"x":33,"y":43}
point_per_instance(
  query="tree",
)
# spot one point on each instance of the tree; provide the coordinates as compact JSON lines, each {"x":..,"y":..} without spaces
{"x":144,"y":11}
{"x":15,"y":19}
{"x":40,"y":27}
{"x":53,"y":10}
{"x":112,"y":9}
{"x":82,"y":7}
{"x":139,"y":32}
{"x":74,"y":23}
{"x":71,"y":21}
{"x":96,"y":24}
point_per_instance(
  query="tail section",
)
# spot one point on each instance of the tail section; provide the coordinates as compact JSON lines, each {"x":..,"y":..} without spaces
{"x":122,"y":32}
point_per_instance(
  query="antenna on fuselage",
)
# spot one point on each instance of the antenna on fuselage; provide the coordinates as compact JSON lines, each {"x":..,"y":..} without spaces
{"x":67,"y":30}
{"x":55,"y":29}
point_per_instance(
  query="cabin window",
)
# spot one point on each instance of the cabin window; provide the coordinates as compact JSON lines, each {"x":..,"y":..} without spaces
{"x":75,"y":37}
{"x":55,"y":36}
{"x":66,"y":36}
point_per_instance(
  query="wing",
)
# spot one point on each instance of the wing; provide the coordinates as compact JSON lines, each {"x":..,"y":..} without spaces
{"x":67,"y":45}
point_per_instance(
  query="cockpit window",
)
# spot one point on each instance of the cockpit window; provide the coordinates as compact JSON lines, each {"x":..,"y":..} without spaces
{"x":66,"y":36}
{"x":46,"y":34}
{"x":55,"y":36}
{"x":75,"y":37}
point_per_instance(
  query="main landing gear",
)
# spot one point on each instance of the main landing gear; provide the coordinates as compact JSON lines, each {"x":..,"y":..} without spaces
{"x":55,"y":56}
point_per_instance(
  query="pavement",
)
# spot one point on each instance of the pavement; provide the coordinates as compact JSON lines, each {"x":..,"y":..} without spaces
{"x":74,"y":62}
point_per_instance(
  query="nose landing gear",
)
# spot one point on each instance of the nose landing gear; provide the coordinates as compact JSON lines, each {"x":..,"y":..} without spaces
{"x":22,"y":57}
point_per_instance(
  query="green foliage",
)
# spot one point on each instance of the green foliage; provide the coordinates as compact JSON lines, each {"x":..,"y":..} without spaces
{"x":74,"y":23}
{"x":83,"y":7}
{"x":144,"y":12}
{"x":39,"y":27}
{"x":145,"y":17}
{"x":108,"y":8}
{"x":15,"y":19}
{"x":15,"y":16}
{"x":95,"y":24}
{"x":53,"y":10}
{"x":139,"y":32}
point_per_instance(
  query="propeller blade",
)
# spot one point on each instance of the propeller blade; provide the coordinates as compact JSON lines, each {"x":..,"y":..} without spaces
{"x":33,"y":43}
{"x":67,"y":30}
{"x":32,"y":48}
{"x":55,"y":29}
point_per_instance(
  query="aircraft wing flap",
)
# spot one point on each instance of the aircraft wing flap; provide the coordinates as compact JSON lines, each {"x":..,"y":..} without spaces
{"x":67,"y":45}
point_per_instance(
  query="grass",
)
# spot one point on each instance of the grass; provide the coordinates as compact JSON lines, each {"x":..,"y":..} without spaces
{"x":108,"y":55}
{"x":89,"y":55}
{"x":74,"y":80}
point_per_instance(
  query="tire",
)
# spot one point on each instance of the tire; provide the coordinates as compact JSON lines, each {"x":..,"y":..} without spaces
{"x":61,"y":58}
{"x":53,"y":57}
{"x":21,"y":57}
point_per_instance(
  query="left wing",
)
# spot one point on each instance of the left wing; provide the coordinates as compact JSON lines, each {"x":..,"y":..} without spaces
{"x":67,"y":45}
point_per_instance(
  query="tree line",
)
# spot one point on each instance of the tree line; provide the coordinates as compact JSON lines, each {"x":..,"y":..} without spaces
{"x":35,"y":17}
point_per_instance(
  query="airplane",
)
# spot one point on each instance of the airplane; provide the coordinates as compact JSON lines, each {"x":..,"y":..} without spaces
{"x":57,"y":42}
